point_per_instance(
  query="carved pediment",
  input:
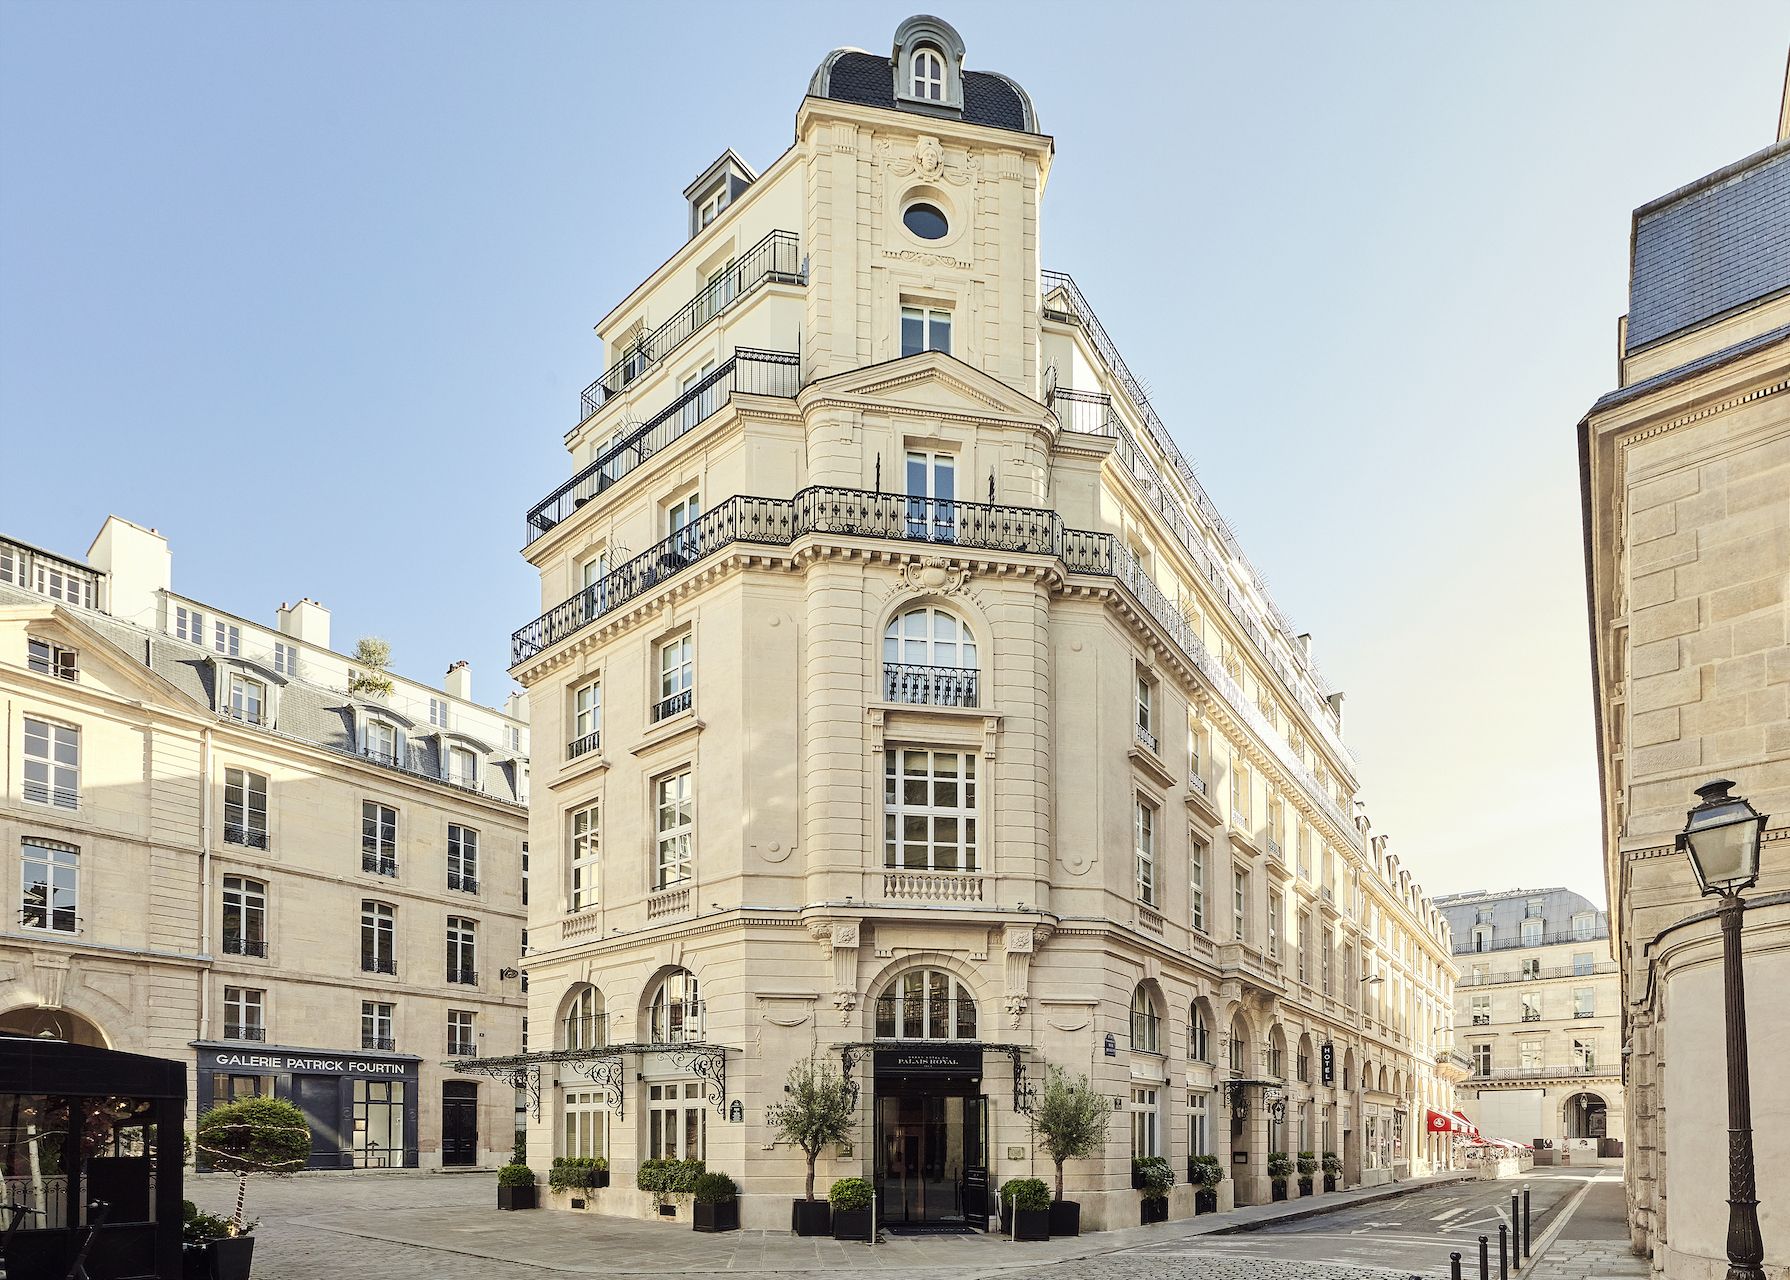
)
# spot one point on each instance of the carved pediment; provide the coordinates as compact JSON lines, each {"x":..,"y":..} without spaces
{"x":929,"y":383}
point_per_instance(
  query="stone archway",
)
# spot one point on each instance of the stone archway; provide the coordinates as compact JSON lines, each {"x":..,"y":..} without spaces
{"x":1585,"y":1114}
{"x":53,"y":1024}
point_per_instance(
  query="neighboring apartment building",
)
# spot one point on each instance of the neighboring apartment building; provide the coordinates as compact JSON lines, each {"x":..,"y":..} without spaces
{"x":1538,"y":1007}
{"x":1685,"y":470}
{"x":223,"y":856}
{"x":921,"y":715}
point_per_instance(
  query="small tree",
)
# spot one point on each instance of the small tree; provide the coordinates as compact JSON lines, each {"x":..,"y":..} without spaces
{"x":373,"y":656}
{"x":254,"y":1135}
{"x":1071,"y":1119}
{"x":820,"y":1109}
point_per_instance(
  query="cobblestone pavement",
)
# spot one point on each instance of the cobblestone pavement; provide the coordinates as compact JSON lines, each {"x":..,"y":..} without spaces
{"x":384,"y":1226}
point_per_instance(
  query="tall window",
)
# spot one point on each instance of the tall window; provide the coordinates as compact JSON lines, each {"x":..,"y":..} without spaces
{"x":1530,"y":967}
{"x":1584,"y":1056}
{"x":1144,"y":840}
{"x":925,"y":1004}
{"x":929,"y":810}
{"x":929,"y":656}
{"x":681,"y":516}
{"x":1196,"y":757}
{"x":378,"y":838}
{"x":1199,"y":1128}
{"x":677,"y":1121}
{"x":1532,"y":932}
{"x":285,"y":658}
{"x":675,"y":824}
{"x":1531,"y":1006}
{"x":586,"y":1124}
{"x":52,"y":764}
{"x":49,"y":888}
{"x":586,"y":860}
{"x":226,"y":638}
{"x":584,"y":1025}
{"x":676,"y":1009}
{"x":1274,"y":909}
{"x":925,"y":329}
{"x":462,"y":767}
{"x":1239,"y":791}
{"x":929,"y":75}
{"x":1584,"y":925}
{"x":1239,"y":904}
{"x":1324,"y":948}
{"x":438,"y":712}
{"x":244,"y":1008}
{"x":587,"y":720}
{"x":676,"y":676}
{"x":376,"y":1026}
{"x":1304,"y":944}
{"x":462,"y":858}
{"x":245,"y":916}
{"x":49,"y":659}
{"x":462,"y":1041}
{"x":1481,"y":1011}
{"x":1146,"y":1026}
{"x":378,"y":937}
{"x":1529,"y":1054}
{"x":1196,"y":891}
{"x":245,"y":808}
{"x":1238,"y":1046}
{"x":1584,"y":1002}
{"x":1277,"y":823}
{"x":247,"y":698}
{"x":382,"y":742}
{"x":189,"y":624}
{"x":1199,"y":1036}
{"x":1146,"y":711}
{"x":462,"y":951}
{"x":1583,"y":963}
{"x":1144,"y":1124}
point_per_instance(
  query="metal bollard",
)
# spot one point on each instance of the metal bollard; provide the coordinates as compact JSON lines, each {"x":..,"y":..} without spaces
{"x":1503,"y":1252}
{"x":1526,"y":1249}
{"x":1516,"y":1231}
{"x":1485,"y":1260}
{"x":1454,"y":1266}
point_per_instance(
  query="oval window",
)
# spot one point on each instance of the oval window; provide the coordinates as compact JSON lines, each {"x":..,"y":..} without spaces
{"x":925,"y":221}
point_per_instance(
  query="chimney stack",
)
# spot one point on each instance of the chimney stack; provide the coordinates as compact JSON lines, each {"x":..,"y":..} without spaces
{"x":459,"y":681}
{"x":307,"y":621}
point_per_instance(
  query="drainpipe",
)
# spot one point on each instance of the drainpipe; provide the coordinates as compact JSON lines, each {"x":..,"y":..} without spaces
{"x":205,"y":880}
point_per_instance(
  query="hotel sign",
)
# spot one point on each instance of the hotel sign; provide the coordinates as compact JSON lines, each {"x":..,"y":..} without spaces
{"x":1327,"y":1062}
{"x":932,"y":1060}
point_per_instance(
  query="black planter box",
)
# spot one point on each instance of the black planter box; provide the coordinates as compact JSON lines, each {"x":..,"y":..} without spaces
{"x":851,"y":1224}
{"x":1280,"y":1189}
{"x":599,"y":1178}
{"x":1153,"y":1211}
{"x":1137,"y":1179}
{"x":811,"y":1218}
{"x":1205,"y":1202}
{"x":516,"y":1197}
{"x":723,"y":1215}
{"x":1330,"y":1182}
{"x":1031,"y":1224}
{"x":1305,"y":1186}
{"x":218,"y":1260}
{"x":1065,"y":1218}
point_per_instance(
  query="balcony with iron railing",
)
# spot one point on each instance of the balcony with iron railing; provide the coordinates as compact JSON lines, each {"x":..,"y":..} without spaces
{"x":776,"y":258}
{"x":1146,"y":737}
{"x":586,"y":1031}
{"x":919,"y":685}
{"x":378,"y":964}
{"x":675,"y":1022}
{"x":1088,"y":413}
{"x":247,"y":836}
{"x":384,"y":1044}
{"x":237,"y":945}
{"x":671,"y":705}
{"x":463,"y":977}
{"x":1472,"y":946}
{"x":463,"y":882}
{"x":379,"y":864}
{"x":585,"y":745}
{"x":1574,"y":1070}
{"x":1146,"y":1032}
{"x":746,"y":372}
{"x":1537,"y":974}
{"x":245,"y":1031}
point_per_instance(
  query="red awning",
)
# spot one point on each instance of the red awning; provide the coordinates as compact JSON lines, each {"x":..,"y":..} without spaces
{"x":1441,"y":1122}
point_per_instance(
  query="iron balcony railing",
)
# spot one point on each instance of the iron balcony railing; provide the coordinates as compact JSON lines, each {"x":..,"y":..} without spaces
{"x":380,"y":864}
{"x":378,"y":964}
{"x":590,"y":1031}
{"x":385,"y":1043}
{"x":1146,"y":1032}
{"x":464,"y":883}
{"x":777,"y":258}
{"x":1473,"y":947}
{"x":251,"y":837}
{"x":234,"y":1032}
{"x":584,"y":746}
{"x":1146,"y":737}
{"x":1532,"y":1015}
{"x":929,"y":686}
{"x":383,"y":755}
{"x":747,"y":371}
{"x":1536,"y":974}
{"x":44,"y":793}
{"x":676,"y":1022}
{"x":1542,"y":1073}
{"x":674,"y":705}
{"x":464,"y":977}
{"x":235,"y":945}
{"x":1088,"y":413}
{"x":460,"y":1048}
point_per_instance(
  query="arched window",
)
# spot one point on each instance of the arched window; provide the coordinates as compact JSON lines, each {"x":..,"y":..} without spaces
{"x":1146,"y":1025}
{"x":1239,"y":1045}
{"x":929,"y":75}
{"x":676,"y":1012}
{"x":926,"y":1004}
{"x":1199,"y":1036}
{"x":585,"y":1026}
{"x":1277,"y":1053}
{"x":929,"y":657}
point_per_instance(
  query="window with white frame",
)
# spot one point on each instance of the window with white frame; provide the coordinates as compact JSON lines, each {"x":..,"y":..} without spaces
{"x":1324,"y":949}
{"x":1529,"y":1054}
{"x":931,"y":495}
{"x":1584,"y":1002}
{"x":438,"y":712}
{"x":711,"y":206}
{"x":245,"y":808}
{"x":1146,"y":1023}
{"x":244,"y":1013}
{"x":1480,"y":1011}
{"x":462,"y":858}
{"x":1584,"y":926}
{"x":1532,"y":932}
{"x":64,"y":584}
{"x":1304,"y":944}
{"x":47,"y":658}
{"x":587,"y":719}
{"x":675,"y":824}
{"x":676,"y":676}
{"x":378,"y":838}
{"x":1196,"y":756}
{"x":928,"y":67}
{"x":245,"y":916}
{"x":925,"y":1004}
{"x":189,"y":624}
{"x":681,"y":516}
{"x":376,"y":1025}
{"x":929,"y":657}
{"x":378,"y":937}
{"x":1584,"y":1055}
{"x":226,"y":637}
{"x":1144,"y":1124}
{"x":586,"y":1124}
{"x":1196,"y":881}
{"x":1199,"y":1124}
{"x":1583,"y":963}
{"x":1145,"y":708}
{"x":462,"y":1039}
{"x":925,"y":329}
{"x":248,"y":699}
{"x":1239,"y":791}
{"x":675,"y":1013}
{"x":49,"y":886}
{"x":462,"y":766}
{"x":585,"y":1025}
{"x":1482,"y":1059}
{"x":677,"y":1121}
{"x":52,"y":763}
{"x":1199,"y":1036}
{"x":929,"y":810}
{"x":1237,"y":1049}
{"x":285,"y":658}
{"x":1144,"y":841}
{"x":1239,"y":904}
{"x":382,"y":741}
{"x":462,"y":951}
{"x":587,"y":856}
{"x":1531,"y":1006}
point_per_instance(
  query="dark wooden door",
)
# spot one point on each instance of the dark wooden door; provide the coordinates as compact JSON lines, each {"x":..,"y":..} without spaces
{"x":459,"y":1122}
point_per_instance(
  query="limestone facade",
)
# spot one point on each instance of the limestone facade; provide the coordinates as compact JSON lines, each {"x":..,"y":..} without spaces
{"x":921,"y":715}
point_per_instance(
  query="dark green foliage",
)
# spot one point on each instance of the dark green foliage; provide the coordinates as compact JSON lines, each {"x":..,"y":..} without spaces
{"x":851,"y":1193}
{"x":515,"y":1175}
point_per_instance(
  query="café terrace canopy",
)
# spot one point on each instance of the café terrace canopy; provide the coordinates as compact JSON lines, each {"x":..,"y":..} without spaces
{"x":1449,"y":1122}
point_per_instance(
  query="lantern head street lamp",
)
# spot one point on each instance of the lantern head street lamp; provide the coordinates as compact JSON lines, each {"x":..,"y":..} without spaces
{"x":1722,"y":836}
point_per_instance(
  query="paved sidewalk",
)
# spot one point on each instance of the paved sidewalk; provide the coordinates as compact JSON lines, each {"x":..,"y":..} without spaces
{"x":1592,"y":1242}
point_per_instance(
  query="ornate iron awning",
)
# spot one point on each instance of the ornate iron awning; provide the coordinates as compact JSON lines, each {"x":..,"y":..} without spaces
{"x":1025,"y":1093}
{"x":605,"y":1067}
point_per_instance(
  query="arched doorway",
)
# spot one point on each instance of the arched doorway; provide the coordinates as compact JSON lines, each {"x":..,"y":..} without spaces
{"x":52,"y":1024}
{"x":1586,"y":1116}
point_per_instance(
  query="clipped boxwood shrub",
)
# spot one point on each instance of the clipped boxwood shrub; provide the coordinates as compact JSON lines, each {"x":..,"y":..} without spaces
{"x":1308,"y":1163}
{"x":1206,"y":1171}
{"x":1280,"y":1166}
{"x":848,"y":1194}
{"x":515,"y":1175}
{"x":1332,"y":1163}
{"x":575,"y":1173}
{"x":1030,"y":1194}
{"x":714,"y":1188}
{"x":668,"y":1177}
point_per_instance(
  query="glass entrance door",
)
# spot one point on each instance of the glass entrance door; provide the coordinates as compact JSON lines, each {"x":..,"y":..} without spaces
{"x":925,"y":1144}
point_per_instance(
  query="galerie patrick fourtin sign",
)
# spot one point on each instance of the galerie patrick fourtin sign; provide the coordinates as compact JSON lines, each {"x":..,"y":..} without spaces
{"x":302,"y":1063}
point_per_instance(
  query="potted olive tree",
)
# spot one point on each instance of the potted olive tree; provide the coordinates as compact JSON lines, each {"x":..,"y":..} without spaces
{"x":1332,"y":1170}
{"x":1152,"y":1176}
{"x":1070,"y":1118}
{"x":1205,"y":1173}
{"x":516,"y":1187}
{"x":819,"y":1109}
{"x":717,"y":1203}
{"x":850,"y":1199}
{"x":250,"y":1135}
{"x":1308,"y":1165}
{"x":1280,"y":1168}
{"x":1030,"y":1198}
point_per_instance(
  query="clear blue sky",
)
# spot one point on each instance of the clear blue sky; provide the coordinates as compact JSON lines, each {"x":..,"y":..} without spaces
{"x":310,"y":286}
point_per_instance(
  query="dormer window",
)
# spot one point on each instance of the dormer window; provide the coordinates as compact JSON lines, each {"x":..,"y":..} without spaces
{"x":929,"y":75}
{"x":710,"y":208}
{"x":928,"y":65}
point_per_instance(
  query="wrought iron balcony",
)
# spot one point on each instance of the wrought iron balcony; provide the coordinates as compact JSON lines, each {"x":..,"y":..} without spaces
{"x":1472,"y":946}
{"x":1146,"y":737}
{"x":1088,"y":413}
{"x":464,"y":977}
{"x":380,"y":864}
{"x":676,"y":704}
{"x":462,"y":882}
{"x":251,"y":837}
{"x":1146,"y":1033}
{"x":60,"y":797}
{"x":591,"y":1031}
{"x":929,"y":686}
{"x":378,"y":964}
{"x":747,"y":371}
{"x":460,"y":1048}
{"x":1537,"y":974}
{"x":777,"y":258}
{"x":243,"y":715}
{"x":384,"y":1043}
{"x":1532,"y":1015}
{"x":234,"y":1032}
{"x":585,"y":745}
{"x":236,"y":945}
{"x":676,"y":1022}
{"x":1196,"y":783}
{"x":1584,"y":1013}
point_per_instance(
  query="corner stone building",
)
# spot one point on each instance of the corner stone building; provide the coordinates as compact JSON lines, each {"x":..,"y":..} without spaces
{"x":1686,"y":485}
{"x":922,"y":716}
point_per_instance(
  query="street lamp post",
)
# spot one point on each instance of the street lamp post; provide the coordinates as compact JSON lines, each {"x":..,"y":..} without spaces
{"x":1721,"y":835}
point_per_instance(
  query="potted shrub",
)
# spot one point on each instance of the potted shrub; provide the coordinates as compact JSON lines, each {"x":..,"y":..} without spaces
{"x":666,"y":1179}
{"x":1332,"y":1170}
{"x":819,"y":1109}
{"x":515,"y":1187}
{"x":1205,"y":1173}
{"x":1070,"y":1120}
{"x":210,"y":1250}
{"x":1308,"y":1165}
{"x":1280,"y":1168}
{"x":717,"y":1203}
{"x":578,"y":1173}
{"x":253,"y":1135}
{"x":850,"y":1199}
{"x":1031,"y":1208}
{"x":1155,"y":1177}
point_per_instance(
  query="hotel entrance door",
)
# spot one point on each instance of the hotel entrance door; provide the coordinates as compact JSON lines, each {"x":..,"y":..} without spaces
{"x":931,"y":1157}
